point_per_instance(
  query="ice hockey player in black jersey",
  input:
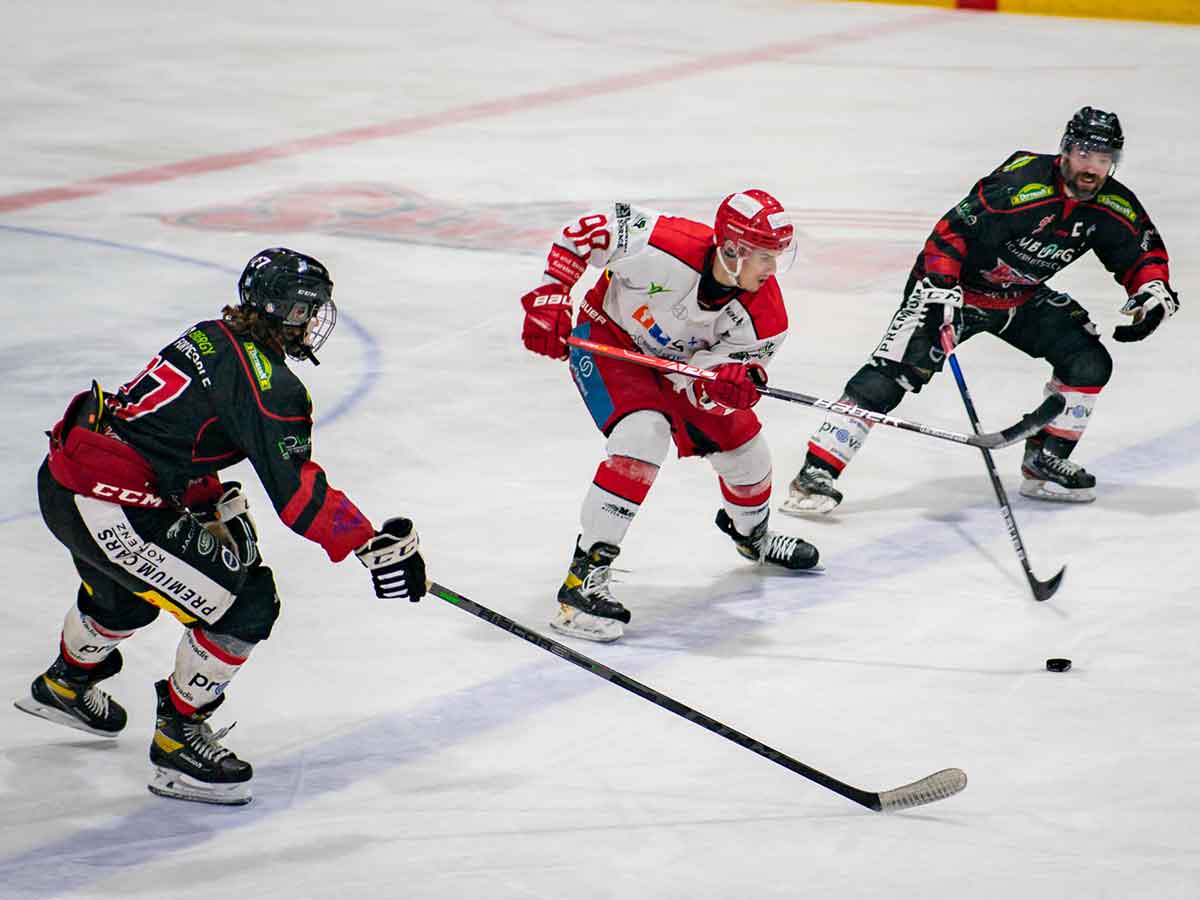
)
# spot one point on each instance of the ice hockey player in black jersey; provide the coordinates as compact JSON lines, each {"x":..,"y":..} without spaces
{"x":130,"y":487}
{"x":984,"y":269}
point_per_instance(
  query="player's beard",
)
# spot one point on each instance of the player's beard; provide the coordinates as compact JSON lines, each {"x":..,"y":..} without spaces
{"x":1081,"y":189}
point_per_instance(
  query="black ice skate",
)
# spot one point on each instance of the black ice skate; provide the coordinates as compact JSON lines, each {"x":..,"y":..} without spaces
{"x":770,"y":547}
{"x":811,"y":493}
{"x":189,"y":762}
{"x":1050,"y":477}
{"x":68,"y":695}
{"x":586,"y":607}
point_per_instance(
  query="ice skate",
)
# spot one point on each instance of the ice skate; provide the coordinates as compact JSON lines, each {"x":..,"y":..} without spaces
{"x":68,"y":695}
{"x":189,"y":761}
{"x":586,"y":606}
{"x":1049,"y":477}
{"x":770,"y":547}
{"x":811,"y":493}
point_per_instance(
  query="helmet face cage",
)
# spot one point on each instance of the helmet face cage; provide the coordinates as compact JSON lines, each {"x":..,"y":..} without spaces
{"x":294,"y":291}
{"x":1095,"y":131}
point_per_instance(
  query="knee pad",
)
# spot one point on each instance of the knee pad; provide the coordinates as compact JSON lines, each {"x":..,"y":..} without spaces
{"x":747,"y":465}
{"x":254,"y":609}
{"x":1090,"y":366}
{"x":644,"y":435}
{"x":880,"y":385}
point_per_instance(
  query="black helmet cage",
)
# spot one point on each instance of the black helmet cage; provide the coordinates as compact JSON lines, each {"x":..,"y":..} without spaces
{"x":1095,"y":130}
{"x":295,"y":291}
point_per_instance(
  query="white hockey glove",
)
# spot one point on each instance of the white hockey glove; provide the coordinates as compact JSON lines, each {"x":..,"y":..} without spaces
{"x":1153,"y":302}
{"x":229,"y":522}
{"x":926,"y":292}
{"x":394,"y":560}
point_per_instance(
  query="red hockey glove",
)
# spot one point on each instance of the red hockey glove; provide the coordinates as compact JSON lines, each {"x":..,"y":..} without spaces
{"x":736,"y":385}
{"x":547,"y":320}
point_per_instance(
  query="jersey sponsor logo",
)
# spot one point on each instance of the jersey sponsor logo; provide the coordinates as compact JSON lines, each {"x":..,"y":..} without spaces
{"x":260,"y":364}
{"x":622,"y":225}
{"x":1146,"y":239}
{"x":1030,"y":192}
{"x":193,"y":353}
{"x":202,"y":341}
{"x":656,"y":288}
{"x":764,"y":352}
{"x":1035,"y":249}
{"x":642,"y":316}
{"x":1042,"y":224}
{"x":964,"y":211}
{"x":1119,"y":205}
{"x":1005,"y":276}
{"x":291,"y":446}
{"x":1018,"y":163}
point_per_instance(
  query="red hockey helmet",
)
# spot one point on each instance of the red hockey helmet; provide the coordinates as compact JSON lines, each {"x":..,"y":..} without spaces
{"x":754,"y":221}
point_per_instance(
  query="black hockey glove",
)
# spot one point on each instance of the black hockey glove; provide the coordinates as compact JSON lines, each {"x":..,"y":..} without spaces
{"x":229,"y":522}
{"x":1154,"y":302}
{"x":393,"y":557}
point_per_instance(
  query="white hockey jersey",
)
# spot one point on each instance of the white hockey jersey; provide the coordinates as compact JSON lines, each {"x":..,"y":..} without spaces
{"x":653,"y":266}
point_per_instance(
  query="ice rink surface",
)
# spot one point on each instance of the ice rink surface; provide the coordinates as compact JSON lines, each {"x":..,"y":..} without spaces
{"x":426,"y":153}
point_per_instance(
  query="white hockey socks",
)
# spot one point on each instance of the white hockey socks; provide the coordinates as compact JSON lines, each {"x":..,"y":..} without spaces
{"x":205,"y":663}
{"x":85,"y":642}
{"x":838,"y":439}
{"x":1071,"y":422}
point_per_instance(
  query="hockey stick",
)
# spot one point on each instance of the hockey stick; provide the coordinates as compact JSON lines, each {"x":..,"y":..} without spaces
{"x":1042,"y":590}
{"x":937,"y":786}
{"x":1030,"y":423}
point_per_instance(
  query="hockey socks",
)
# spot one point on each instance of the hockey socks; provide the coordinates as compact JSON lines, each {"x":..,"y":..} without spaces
{"x":205,"y":663}
{"x":618,"y":489}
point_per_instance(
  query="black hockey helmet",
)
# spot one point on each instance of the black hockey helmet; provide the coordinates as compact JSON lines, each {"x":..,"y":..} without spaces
{"x":295,"y":291}
{"x":1095,"y":129}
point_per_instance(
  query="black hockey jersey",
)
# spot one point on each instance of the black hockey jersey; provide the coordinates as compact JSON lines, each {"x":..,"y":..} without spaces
{"x":1018,"y":227}
{"x":213,"y":398}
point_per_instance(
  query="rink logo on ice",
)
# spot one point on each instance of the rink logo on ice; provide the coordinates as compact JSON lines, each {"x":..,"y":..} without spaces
{"x":846,"y":250}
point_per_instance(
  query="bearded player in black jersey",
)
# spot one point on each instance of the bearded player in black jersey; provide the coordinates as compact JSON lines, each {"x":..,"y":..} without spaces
{"x":984,"y":269}
{"x":130,"y":488}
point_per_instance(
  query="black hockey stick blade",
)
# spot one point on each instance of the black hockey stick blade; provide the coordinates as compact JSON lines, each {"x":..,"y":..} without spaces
{"x":937,"y":786}
{"x":1044,"y":590}
{"x":1030,"y":424}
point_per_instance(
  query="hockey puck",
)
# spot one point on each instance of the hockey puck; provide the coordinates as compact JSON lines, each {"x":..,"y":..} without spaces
{"x":1057,"y":665}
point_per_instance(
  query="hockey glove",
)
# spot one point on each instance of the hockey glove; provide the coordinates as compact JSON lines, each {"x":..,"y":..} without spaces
{"x":228,"y":520}
{"x":1153,"y":302}
{"x":547,"y":320}
{"x":938,"y":290}
{"x":393,"y":557}
{"x":736,"y":385}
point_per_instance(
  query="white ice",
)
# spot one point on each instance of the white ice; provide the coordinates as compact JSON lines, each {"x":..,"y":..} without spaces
{"x":413,"y":751}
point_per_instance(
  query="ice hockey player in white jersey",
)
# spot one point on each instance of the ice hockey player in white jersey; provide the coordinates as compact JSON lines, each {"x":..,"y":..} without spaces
{"x":681,"y":290}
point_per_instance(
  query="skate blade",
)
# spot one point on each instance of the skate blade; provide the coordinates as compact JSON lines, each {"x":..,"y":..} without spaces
{"x":1055,"y":493}
{"x":785,"y":572}
{"x":807,"y":507}
{"x":587,"y":627}
{"x":177,"y":786}
{"x":58,"y":717}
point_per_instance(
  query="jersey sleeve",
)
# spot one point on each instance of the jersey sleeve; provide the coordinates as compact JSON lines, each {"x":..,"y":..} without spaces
{"x":273,"y":426}
{"x":598,"y":239}
{"x":1127,"y":243}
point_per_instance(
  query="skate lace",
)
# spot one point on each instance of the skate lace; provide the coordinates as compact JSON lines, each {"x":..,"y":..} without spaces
{"x":203,"y":741}
{"x":777,"y":548}
{"x":1059,"y":466}
{"x":597,"y":583}
{"x":97,"y":702}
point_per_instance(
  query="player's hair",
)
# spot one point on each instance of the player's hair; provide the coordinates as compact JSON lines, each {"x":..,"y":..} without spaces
{"x":248,"y":321}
